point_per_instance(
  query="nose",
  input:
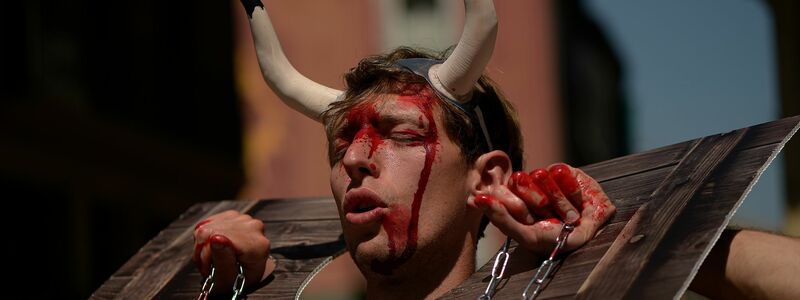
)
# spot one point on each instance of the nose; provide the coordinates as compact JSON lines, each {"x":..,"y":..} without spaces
{"x":359,"y":160}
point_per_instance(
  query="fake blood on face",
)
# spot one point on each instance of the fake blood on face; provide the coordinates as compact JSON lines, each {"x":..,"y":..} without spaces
{"x":365,"y":116}
{"x":422,"y":99}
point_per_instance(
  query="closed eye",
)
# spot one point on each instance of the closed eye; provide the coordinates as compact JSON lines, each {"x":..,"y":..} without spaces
{"x":407,"y":136}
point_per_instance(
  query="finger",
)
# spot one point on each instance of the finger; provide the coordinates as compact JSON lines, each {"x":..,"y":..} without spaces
{"x":202,"y":255}
{"x":581,"y":234}
{"x":202,"y":258}
{"x":514,"y":205}
{"x":565,"y":178}
{"x":223,"y":256}
{"x":559,"y":202}
{"x":522,"y":185}
{"x":201,"y":223}
{"x":595,"y":201}
{"x":500,"y":217}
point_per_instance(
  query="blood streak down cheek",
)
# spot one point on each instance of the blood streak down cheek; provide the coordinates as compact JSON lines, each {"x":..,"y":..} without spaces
{"x":421,"y":98}
{"x":396,"y":224}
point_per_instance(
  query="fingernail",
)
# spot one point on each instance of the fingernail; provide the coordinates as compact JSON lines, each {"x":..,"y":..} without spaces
{"x":483,"y":200}
{"x":572,"y":216}
{"x":218,"y":242}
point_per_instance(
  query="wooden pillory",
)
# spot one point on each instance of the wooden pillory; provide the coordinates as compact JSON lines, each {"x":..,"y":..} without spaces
{"x":672,"y":205}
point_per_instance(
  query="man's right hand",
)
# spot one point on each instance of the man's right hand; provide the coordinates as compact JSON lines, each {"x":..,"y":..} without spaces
{"x":227,"y":238}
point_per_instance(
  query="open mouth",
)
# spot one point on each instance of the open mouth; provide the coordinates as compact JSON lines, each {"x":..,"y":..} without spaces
{"x":362,"y":206}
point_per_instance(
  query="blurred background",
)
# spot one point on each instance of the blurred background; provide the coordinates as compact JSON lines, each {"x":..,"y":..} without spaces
{"x":118,"y":116}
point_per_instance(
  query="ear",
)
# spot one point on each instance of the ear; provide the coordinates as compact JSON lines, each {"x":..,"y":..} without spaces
{"x":489,"y":172}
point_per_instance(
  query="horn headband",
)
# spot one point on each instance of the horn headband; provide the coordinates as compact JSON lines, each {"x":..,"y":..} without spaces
{"x":452,"y":79}
{"x":422,"y":67}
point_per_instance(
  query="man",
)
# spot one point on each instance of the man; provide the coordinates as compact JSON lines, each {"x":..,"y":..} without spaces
{"x":412,"y":176}
{"x":421,"y":150}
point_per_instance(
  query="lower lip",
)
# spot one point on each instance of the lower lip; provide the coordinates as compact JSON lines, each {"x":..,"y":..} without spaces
{"x":367,"y":217}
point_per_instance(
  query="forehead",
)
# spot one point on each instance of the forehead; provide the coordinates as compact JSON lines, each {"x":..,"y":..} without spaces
{"x":409,"y":106}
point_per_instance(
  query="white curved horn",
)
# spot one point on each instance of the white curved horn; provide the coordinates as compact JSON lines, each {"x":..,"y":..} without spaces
{"x":297,"y":91}
{"x":464,"y":67}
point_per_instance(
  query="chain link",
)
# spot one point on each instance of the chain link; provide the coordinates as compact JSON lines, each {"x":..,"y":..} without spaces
{"x":238,"y":284}
{"x":547,"y":267}
{"x":498,"y":270}
{"x":208,"y":282}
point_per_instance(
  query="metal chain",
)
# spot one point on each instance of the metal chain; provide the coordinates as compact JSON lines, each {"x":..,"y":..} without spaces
{"x":208,"y":282}
{"x":546,"y":269}
{"x":498,"y":270}
{"x":238,"y":284}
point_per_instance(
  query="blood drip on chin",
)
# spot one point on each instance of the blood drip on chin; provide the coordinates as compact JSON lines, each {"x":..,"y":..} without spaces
{"x":421,"y":97}
{"x":394,"y":223}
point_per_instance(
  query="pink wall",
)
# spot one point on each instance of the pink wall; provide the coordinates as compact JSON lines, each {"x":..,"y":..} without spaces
{"x":285,"y":153}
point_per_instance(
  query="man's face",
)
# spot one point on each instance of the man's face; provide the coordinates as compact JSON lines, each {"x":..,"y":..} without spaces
{"x":399,"y":183}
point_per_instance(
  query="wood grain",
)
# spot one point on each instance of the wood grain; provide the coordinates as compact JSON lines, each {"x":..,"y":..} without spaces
{"x":638,"y":240}
{"x":677,"y":199}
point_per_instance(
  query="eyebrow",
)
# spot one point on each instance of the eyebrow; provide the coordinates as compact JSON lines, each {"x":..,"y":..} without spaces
{"x":400,"y":118}
{"x":391,"y":118}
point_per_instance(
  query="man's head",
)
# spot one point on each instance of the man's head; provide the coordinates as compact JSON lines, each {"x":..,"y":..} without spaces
{"x":405,"y":162}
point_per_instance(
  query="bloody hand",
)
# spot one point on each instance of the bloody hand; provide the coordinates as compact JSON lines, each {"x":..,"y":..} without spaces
{"x":532,"y":207}
{"x":227,"y":238}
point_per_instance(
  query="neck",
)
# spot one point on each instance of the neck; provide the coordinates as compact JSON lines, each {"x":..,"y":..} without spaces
{"x":428,"y":279}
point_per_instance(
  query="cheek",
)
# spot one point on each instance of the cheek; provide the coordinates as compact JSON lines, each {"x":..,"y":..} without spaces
{"x":447,"y":183}
{"x":338,"y":179}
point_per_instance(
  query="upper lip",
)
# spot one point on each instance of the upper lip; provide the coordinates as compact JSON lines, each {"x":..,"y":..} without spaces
{"x":360,"y":200}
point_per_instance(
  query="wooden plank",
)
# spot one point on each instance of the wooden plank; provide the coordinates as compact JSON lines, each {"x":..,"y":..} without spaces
{"x":640,"y":162}
{"x":300,"y":233}
{"x":627,"y":194}
{"x":161,"y":266}
{"x":283,"y":284}
{"x":305,"y":232}
{"x":690,"y":240}
{"x":707,"y":214}
{"x":279,"y":210}
{"x":621,"y":266}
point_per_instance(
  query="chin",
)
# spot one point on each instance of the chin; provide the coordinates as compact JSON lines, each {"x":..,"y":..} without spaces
{"x":374,"y":258}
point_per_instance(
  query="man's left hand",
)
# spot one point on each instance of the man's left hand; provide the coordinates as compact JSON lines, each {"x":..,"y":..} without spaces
{"x":532,"y":207}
